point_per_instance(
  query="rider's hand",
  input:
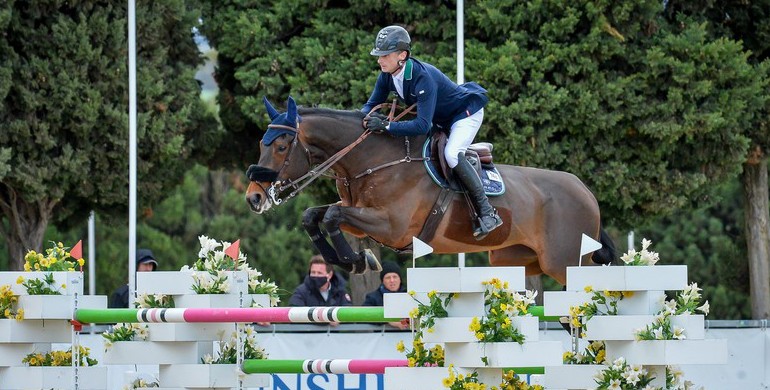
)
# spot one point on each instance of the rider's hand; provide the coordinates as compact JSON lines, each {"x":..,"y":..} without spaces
{"x":375,"y":124}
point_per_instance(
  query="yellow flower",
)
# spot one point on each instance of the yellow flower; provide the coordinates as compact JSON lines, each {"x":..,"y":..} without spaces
{"x":81,"y":262}
{"x":411,"y":293}
{"x":431,"y":293}
{"x":20,"y":279}
{"x":27,"y":268}
{"x":19,"y":314}
{"x":628,"y":294}
{"x":411,"y":362}
{"x":63,"y":285}
{"x":588,"y":289}
{"x":413,"y":313}
{"x":400,"y":346}
{"x":475,"y":324}
{"x":600,"y":356}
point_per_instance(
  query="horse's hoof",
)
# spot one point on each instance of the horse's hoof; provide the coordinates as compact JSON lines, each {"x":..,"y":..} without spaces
{"x":366,"y":262}
{"x":372,"y":263}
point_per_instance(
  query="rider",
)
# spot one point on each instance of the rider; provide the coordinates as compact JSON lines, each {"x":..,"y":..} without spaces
{"x":458,"y":109}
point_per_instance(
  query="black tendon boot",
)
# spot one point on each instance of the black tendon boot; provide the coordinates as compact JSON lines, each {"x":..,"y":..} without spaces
{"x":488,"y":218}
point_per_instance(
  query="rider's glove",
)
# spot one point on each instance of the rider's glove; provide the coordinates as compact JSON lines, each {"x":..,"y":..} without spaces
{"x":375,"y":124}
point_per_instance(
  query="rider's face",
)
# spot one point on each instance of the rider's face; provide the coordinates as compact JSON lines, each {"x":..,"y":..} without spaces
{"x":389,"y":62}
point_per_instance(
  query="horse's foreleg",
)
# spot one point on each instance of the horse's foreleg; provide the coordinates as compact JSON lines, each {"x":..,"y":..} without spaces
{"x":348,"y":259}
{"x":311,"y":219}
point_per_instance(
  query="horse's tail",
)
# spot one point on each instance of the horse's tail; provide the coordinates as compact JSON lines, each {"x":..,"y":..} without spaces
{"x":605,"y":255}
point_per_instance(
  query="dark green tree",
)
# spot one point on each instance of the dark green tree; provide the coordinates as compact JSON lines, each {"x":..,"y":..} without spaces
{"x":748,"y":22}
{"x":63,"y":116}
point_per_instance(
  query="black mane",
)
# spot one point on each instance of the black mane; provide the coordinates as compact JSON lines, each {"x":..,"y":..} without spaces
{"x":331,"y":113}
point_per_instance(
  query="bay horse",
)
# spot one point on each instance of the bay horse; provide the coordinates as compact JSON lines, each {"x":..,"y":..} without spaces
{"x":386,"y":194}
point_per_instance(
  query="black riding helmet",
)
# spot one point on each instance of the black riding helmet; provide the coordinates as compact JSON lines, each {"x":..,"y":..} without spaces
{"x":391,"y":39}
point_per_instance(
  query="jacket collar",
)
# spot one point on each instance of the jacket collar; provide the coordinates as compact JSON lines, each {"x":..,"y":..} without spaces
{"x":408,"y":69}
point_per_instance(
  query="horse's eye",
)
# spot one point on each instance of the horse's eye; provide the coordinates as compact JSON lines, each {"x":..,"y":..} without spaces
{"x":282,"y":148}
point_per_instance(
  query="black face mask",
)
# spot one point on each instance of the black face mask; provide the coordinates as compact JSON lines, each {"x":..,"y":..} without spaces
{"x":318,"y":281}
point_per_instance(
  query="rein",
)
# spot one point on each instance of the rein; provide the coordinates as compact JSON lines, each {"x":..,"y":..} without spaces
{"x":277,"y":188}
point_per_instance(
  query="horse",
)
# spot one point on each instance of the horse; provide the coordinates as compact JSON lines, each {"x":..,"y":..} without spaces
{"x":386,"y":194}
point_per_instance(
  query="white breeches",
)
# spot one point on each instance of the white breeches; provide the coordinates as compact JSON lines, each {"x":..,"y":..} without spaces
{"x":461,"y":135}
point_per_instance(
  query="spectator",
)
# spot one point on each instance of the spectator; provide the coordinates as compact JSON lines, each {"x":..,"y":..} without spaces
{"x":390,"y":276}
{"x":321,"y":287}
{"x":145,"y":262}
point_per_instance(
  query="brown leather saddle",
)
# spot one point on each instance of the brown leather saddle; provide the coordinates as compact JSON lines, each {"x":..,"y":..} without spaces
{"x":479,"y":155}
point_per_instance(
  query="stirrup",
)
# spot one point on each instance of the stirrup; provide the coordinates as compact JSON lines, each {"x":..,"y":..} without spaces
{"x":482,"y":230}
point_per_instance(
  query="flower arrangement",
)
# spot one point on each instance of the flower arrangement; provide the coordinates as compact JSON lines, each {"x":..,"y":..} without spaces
{"x":125,"y":332}
{"x":228,"y":351}
{"x":59,"y":358}
{"x":142,"y":381}
{"x":154,"y":301}
{"x":500,"y":305}
{"x":57,"y":258}
{"x":621,"y":375}
{"x":602,"y":303}
{"x":457,"y":381}
{"x":425,"y":315}
{"x":512,"y":382}
{"x":594,"y":353}
{"x":420,"y":356}
{"x":210,"y":276}
{"x":8,"y":302}
{"x":686,"y":302}
{"x":645,"y":257}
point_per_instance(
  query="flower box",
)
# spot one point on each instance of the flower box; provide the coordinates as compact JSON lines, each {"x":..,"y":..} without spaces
{"x":455,"y":329}
{"x":11,"y":354}
{"x":220,"y":300}
{"x":89,"y":378}
{"x":202,"y":331}
{"x":623,"y":327}
{"x":73,"y":281}
{"x":152,"y":352}
{"x":668,"y":352}
{"x":35,"y":331}
{"x":465,"y":279}
{"x":628,"y":278}
{"x":430,"y":378}
{"x":180,"y":282}
{"x":203,"y":376}
{"x":557,"y":303}
{"x":532,"y":354}
{"x":58,"y":306}
{"x":572,"y":376}
{"x":398,"y":305}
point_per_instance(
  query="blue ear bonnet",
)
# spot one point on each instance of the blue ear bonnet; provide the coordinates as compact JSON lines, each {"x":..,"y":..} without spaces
{"x":288,"y":118}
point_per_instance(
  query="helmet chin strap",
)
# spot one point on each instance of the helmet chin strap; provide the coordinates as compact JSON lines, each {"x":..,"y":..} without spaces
{"x":400,"y":66}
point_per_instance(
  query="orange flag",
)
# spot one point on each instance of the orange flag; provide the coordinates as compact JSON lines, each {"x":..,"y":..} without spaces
{"x":77,"y":252}
{"x":233,"y":250}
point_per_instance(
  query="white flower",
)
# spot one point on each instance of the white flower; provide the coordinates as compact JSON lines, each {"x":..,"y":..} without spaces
{"x":614,"y":384}
{"x":207,"y":245}
{"x":629,"y":257}
{"x":704,"y":309}
{"x":618,"y":363}
{"x":658,"y":333}
{"x":208,"y":359}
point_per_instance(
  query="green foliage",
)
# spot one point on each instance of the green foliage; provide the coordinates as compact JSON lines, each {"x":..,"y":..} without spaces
{"x":63,"y":111}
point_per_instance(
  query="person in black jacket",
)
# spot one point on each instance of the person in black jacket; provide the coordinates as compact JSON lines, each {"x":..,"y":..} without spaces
{"x":145,"y":262}
{"x":390,"y":276}
{"x":321,"y":287}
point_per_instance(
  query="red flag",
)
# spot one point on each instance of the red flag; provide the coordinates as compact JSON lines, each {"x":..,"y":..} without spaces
{"x":77,"y":251}
{"x":233,"y":250}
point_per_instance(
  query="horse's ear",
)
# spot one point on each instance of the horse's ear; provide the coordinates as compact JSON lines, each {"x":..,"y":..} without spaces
{"x":271,"y":112}
{"x":291,"y":110}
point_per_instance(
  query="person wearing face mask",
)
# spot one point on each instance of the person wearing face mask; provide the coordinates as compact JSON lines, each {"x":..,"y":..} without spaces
{"x":390,"y":276}
{"x":321,"y":287}
{"x":457,"y":110}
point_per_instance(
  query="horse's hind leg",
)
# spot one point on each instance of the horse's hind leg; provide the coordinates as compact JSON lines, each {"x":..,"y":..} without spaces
{"x":348,"y":259}
{"x":311,"y":219}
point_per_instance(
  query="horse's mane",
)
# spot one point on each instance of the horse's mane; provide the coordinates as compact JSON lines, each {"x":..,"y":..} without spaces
{"x":331,"y":113}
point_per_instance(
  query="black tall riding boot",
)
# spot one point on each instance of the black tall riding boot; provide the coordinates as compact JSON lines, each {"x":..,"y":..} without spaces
{"x":488,"y":218}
